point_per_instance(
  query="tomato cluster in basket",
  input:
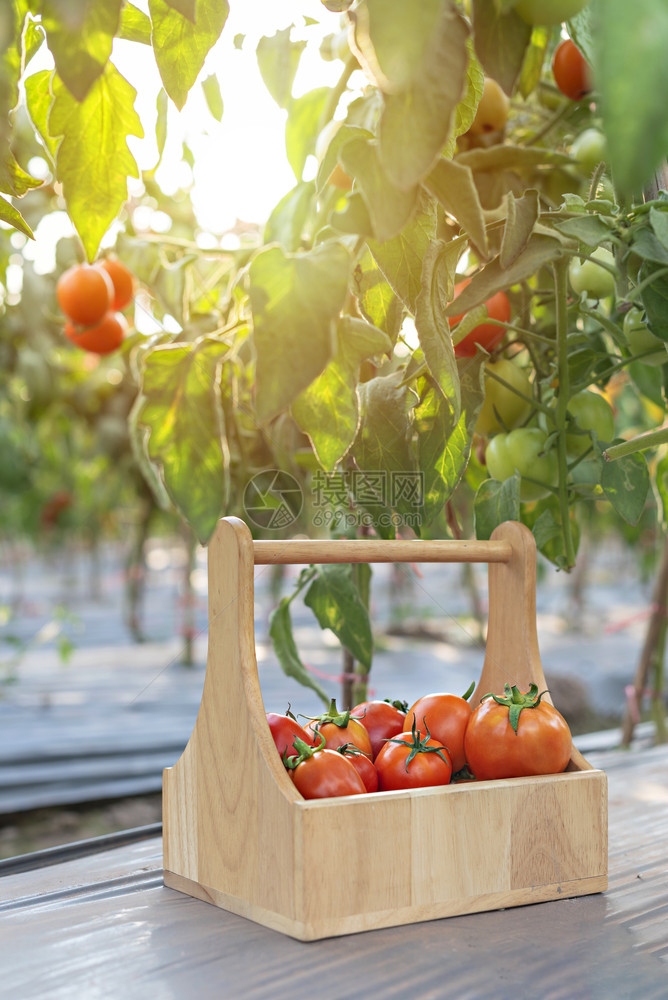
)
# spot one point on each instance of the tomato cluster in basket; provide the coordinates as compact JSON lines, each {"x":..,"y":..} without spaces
{"x":382,"y":746}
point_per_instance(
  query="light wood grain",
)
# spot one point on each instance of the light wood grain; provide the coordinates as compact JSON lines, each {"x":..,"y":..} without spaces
{"x":343,"y":550}
{"x":238,"y":834}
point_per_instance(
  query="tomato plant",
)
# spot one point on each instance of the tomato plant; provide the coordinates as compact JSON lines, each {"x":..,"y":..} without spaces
{"x":571,"y":71}
{"x":362,"y":764}
{"x":338,"y":728}
{"x":285,"y":730}
{"x":516,"y":734}
{"x":523,"y":450}
{"x":101,"y":338}
{"x":592,"y":414}
{"x":122,"y":280}
{"x":492,"y":111}
{"x":381,"y":719}
{"x":85,"y":293}
{"x":411,"y":760}
{"x":503,"y":407}
{"x":642,"y":341}
{"x":548,"y":11}
{"x":322,"y":773}
{"x":445,"y":717}
{"x":488,"y":335}
{"x":590,"y":277}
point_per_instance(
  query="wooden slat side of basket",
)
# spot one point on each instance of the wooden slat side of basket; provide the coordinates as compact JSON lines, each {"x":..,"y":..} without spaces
{"x":236,"y":832}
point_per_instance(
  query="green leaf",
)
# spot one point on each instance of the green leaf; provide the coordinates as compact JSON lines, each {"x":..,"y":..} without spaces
{"x":661,"y":487}
{"x":501,"y":41}
{"x":432,"y":326}
{"x":631,"y":73}
{"x":180,"y":407}
{"x":533,"y":60}
{"x":508,"y":157}
{"x":588,"y":229}
{"x":288,"y":219}
{"x":14,"y":218}
{"x":38,"y":103}
{"x":280,"y":631}
{"x":93,"y":161}
{"x":626,"y":484}
{"x":79,"y":35}
{"x":335,"y":601}
{"x":388,"y":479}
{"x":645,"y":244}
{"x":465,"y":111}
{"x":444,"y":446}
{"x":581,"y":30}
{"x":544,"y":519}
{"x":654,"y":299}
{"x":302,"y":127}
{"x":295,"y":300}
{"x":376,"y":298}
{"x":659,"y":222}
{"x":493,"y":278}
{"x":328,"y":410}
{"x":180,"y":47}
{"x":400,"y":259}
{"x":392,"y":39}
{"x":520,"y":221}
{"x":212,"y":96}
{"x":389,"y":208}
{"x":278,"y":60}
{"x":162,"y":108}
{"x":135,"y":25}
{"x":416,"y":121}
{"x":13,"y":179}
{"x":342,"y":135}
{"x":184,"y":7}
{"x":12,"y":18}
{"x":495,"y":503}
{"x":353,"y":217}
{"x":453,"y":187}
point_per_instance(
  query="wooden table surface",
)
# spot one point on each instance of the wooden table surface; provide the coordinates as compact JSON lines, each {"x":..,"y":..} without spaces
{"x":94,"y":921}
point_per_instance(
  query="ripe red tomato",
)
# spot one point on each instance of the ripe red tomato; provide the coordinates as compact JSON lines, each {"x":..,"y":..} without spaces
{"x":571,"y":70}
{"x":338,"y":728}
{"x":381,"y":719}
{"x":362,"y":764}
{"x":516,"y":735}
{"x":122,"y":280}
{"x":324,"y":774}
{"x":102,"y":338}
{"x":285,"y":730}
{"x":85,"y":293}
{"x":446,"y":717}
{"x":488,"y":335}
{"x":411,"y":760}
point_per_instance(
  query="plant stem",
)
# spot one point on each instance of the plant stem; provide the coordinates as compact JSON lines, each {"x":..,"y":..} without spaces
{"x":560,"y":268}
{"x":650,"y":439}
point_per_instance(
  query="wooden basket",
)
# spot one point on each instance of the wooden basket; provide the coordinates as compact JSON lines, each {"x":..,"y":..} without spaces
{"x":236,"y":832}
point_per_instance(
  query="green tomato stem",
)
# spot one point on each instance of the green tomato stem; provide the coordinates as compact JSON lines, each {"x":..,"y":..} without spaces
{"x":641,"y":442}
{"x":560,"y":269}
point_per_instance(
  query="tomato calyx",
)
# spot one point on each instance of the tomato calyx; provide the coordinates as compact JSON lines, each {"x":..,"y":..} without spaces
{"x":516,"y":701}
{"x":401,"y":706}
{"x":469,"y":691}
{"x":350,"y":750}
{"x":333,"y":716}
{"x":304,"y":751}
{"x":418,"y":746}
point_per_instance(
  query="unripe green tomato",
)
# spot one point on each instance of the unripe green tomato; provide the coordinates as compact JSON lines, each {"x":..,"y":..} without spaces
{"x":640,"y":339}
{"x":502,"y":402}
{"x":592,"y":413}
{"x":548,"y":11}
{"x":590,"y":278}
{"x":521,"y":451}
{"x":589,"y":148}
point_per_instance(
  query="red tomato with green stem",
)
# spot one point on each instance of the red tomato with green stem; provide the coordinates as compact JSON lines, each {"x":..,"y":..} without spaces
{"x":338,"y":728}
{"x":285,"y":729}
{"x":516,"y":735}
{"x":362,"y":764}
{"x":488,"y":335}
{"x":381,"y":719}
{"x":411,"y":760}
{"x":320,"y":773}
{"x":446,"y":717}
{"x":571,"y":71}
